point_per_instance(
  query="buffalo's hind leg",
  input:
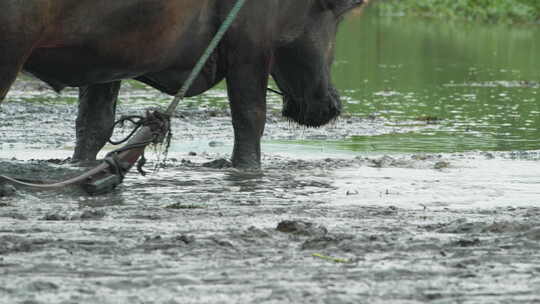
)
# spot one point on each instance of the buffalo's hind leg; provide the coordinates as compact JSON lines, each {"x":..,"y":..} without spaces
{"x":11,"y":61}
{"x":7,"y":77}
{"x":19,"y":32}
{"x":97,"y":107}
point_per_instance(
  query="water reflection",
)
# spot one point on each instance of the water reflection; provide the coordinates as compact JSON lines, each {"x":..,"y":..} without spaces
{"x":478,"y":82}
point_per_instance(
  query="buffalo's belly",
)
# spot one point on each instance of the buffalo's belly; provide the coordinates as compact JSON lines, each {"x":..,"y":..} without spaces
{"x":73,"y":66}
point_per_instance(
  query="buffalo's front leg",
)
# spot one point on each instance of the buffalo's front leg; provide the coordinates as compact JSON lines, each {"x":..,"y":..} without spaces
{"x":97,"y":106}
{"x":246,"y":85}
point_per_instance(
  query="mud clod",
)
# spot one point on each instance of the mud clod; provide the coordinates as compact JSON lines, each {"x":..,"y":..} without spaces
{"x":505,"y":227}
{"x":16,"y":244}
{"x":441,"y":165}
{"x":467,"y":242}
{"x":185,"y":206}
{"x":14,"y":215}
{"x":40,"y":286}
{"x":385,"y":161}
{"x":187,"y":239}
{"x":533,"y":234}
{"x":55,"y":216}
{"x":460,"y":226}
{"x":433,"y":296}
{"x":301,"y":228}
{"x":92,"y":214}
{"x":167,"y":243}
{"x":7,"y":190}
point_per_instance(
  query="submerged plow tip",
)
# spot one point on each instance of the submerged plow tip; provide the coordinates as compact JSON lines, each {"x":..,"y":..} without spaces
{"x":84,"y":181}
{"x":111,"y":171}
{"x":99,"y":180}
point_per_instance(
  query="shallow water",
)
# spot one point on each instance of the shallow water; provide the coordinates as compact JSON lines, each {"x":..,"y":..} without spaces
{"x":349,"y":213}
{"x":443,"y":86}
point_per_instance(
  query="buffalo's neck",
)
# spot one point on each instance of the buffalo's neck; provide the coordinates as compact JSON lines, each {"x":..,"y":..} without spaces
{"x":292,"y":19}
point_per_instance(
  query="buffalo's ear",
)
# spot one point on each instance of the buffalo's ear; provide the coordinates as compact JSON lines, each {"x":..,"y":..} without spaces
{"x":340,"y":7}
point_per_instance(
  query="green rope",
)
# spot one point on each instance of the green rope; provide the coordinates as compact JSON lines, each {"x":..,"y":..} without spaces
{"x":204,"y":58}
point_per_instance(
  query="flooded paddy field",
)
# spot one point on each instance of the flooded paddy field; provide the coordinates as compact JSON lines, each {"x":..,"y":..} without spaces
{"x":426,"y":190}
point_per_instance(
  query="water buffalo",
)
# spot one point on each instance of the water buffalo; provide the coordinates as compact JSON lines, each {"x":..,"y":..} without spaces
{"x":94,"y":44}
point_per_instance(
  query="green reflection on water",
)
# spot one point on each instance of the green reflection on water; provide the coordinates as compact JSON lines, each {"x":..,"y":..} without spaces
{"x":479,"y":82}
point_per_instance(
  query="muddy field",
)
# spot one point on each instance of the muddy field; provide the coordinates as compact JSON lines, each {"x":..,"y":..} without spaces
{"x":317,"y":226}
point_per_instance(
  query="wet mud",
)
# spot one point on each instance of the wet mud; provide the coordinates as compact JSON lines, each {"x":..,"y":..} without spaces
{"x":328,"y":227}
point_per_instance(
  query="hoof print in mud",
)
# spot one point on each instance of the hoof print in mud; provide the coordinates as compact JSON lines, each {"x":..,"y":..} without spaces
{"x":7,"y":190}
{"x":301,"y":228}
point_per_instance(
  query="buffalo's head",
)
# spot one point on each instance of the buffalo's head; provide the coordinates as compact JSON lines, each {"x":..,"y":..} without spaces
{"x":302,"y":65}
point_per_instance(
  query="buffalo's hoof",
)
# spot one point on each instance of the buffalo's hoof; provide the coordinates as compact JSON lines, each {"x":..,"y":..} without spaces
{"x":218,"y":164}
